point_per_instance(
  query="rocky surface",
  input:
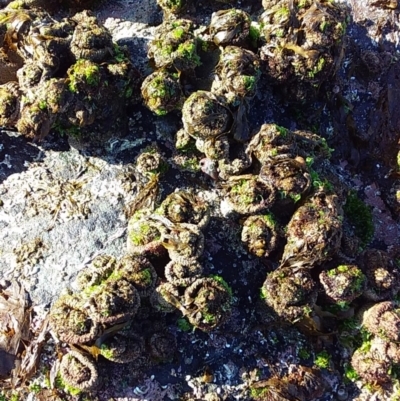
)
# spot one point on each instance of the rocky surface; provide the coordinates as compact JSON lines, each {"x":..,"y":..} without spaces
{"x":63,"y":202}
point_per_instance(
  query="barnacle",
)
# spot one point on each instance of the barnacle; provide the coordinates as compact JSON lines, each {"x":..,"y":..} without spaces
{"x":185,"y":242}
{"x":161,"y":92}
{"x":371,"y":366}
{"x":260,"y":234}
{"x":207,"y":303}
{"x":230,"y":27}
{"x":383,"y":319}
{"x":9,"y":104}
{"x":90,"y":40}
{"x":310,"y":383}
{"x":98,"y":271}
{"x":290,"y":293}
{"x":123,"y":347}
{"x":228,"y":167}
{"x":302,"y":383}
{"x":204,"y":115}
{"x":238,"y":72}
{"x":301,"y":62}
{"x":183,"y":275}
{"x":165,"y":298}
{"x":144,"y":234}
{"x":29,"y":74}
{"x":113,"y":301}
{"x":274,"y":389}
{"x":162,"y":346}
{"x":218,"y":151}
{"x":185,"y":207}
{"x":314,"y":232}
{"x":343,"y":284}
{"x":272,"y":142}
{"x":247,"y":194}
{"x":72,"y":321}
{"x":311,"y":145}
{"x":149,"y":162}
{"x":78,"y":371}
{"x":35,"y":122}
{"x":40,"y":108}
{"x":175,"y":46}
{"x":383,"y":277}
{"x":139,"y":272}
{"x":290,"y":177}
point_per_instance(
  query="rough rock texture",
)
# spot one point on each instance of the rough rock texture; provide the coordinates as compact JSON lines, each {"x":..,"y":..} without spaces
{"x":62,"y":203}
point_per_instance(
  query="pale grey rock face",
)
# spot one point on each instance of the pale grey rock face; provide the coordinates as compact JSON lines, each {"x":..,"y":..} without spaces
{"x":57,"y":215}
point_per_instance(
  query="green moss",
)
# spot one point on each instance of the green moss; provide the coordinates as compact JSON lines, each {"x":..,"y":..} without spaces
{"x":366,"y":338}
{"x":258,"y":393}
{"x":282,"y":130}
{"x":269,"y":218}
{"x":322,"y":360}
{"x":209,"y":317}
{"x":283,"y":12}
{"x":119,"y":55}
{"x":342,"y":305}
{"x":106,"y":352}
{"x":187,"y":50}
{"x":61,"y":385}
{"x":263,"y":293}
{"x":191,"y":164}
{"x":254,"y":34}
{"x":317,"y":67}
{"x":86,"y":71}
{"x":245,"y":192}
{"x":250,"y":82}
{"x":317,"y":181}
{"x":115,"y":275}
{"x":323,"y":25}
{"x":360,"y":217}
{"x":143,"y":232}
{"x":35,"y":388}
{"x":184,"y":325}
{"x":73,"y":131}
{"x":303,"y":353}
{"x":178,"y":32}
{"x":16,"y":5}
{"x":175,"y":3}
{"x":159,"y":87}
{"x":145,"y":276}
{"x":350,"y":374}
{"x":43,"y":105}
{"x":224,"y":284}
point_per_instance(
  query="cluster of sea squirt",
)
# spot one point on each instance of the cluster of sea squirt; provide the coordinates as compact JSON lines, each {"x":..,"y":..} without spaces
{"x":97,"y":319}
{"x":61,"y":74}
{"x":277,"y":183}
{"x":106,"y":315}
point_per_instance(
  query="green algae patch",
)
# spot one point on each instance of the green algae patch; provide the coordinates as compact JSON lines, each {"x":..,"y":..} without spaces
{"x":83,"y":71}
{"x":360,"y":217}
